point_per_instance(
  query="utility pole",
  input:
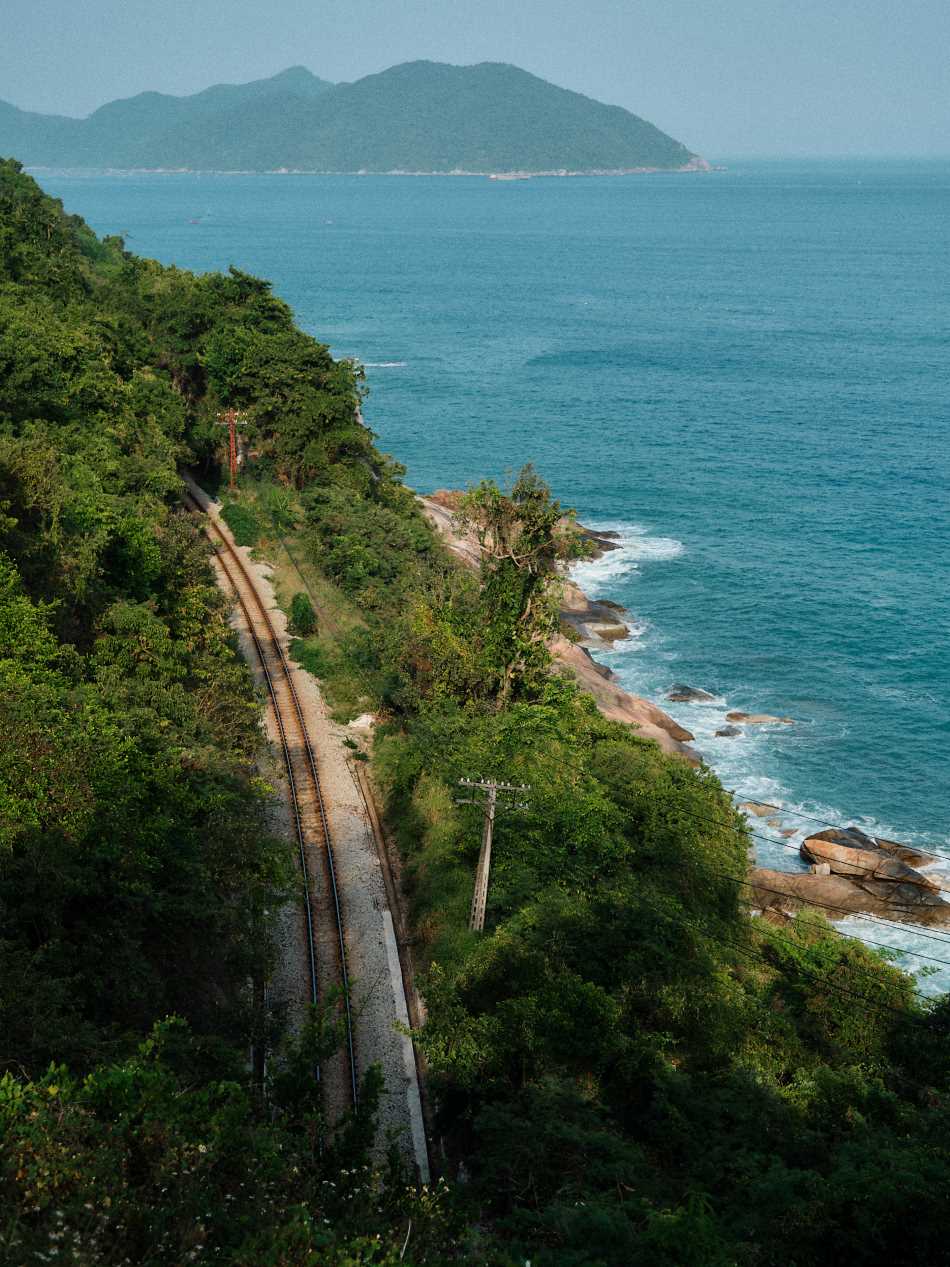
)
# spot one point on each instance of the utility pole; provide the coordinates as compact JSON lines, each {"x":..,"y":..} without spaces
{"x":229,"y":418}
{"x":491,"y":808}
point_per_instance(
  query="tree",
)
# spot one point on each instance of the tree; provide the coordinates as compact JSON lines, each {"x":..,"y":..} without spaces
{"x":524,"y":537}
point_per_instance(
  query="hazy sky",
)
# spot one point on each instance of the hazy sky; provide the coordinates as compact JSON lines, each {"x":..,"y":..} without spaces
{"x":728,"y":77}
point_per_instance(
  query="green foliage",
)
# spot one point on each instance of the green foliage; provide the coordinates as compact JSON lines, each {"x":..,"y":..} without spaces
{"x":303,"y":619}
{"x":152,"y":1161}
{"x":243,"y":521}
{"x":522,"y":538}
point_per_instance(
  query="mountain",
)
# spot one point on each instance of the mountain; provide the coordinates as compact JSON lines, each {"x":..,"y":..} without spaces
{"x":125,"y":133}
{"x":417,"y":117}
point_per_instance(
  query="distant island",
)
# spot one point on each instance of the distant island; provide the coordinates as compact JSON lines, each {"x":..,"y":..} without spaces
{"x":420,"y":117}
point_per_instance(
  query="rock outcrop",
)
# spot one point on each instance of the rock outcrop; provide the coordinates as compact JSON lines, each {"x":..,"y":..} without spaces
{"x":680,"y":694}
{"x":592,"y":620}
{"x":855,"y":838}
{"x":849,"y":852}
{"x":784,"y":893}
{"x":619,"y":705}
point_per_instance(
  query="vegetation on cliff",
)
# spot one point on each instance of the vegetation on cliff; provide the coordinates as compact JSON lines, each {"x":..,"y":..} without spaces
{"x":625,"y":1068}
{"x":417,"y":117}
{"x":138,"y":874}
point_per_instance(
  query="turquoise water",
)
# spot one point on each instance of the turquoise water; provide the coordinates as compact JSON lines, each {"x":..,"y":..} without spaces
{"x":745,"y":373}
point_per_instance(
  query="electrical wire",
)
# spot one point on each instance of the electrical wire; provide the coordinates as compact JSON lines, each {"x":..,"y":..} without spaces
{"x":780,"y":809}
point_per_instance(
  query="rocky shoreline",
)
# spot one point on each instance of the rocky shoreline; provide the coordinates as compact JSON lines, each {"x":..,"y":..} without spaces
{"x":849,"y":872}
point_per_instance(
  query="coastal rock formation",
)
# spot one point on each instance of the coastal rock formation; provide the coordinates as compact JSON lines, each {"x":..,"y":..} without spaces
{"x":855,"y":838}
{"x":784,"y":893}
{"x":594,"y":621}
{"x":612,"y":701}
{"x":728,"y":732}
{"x":852,"y":853}
{"x":758,"y":808}
{"x":680,"y":694}
{"x":759,"y":719}
{"x":619,"y":705}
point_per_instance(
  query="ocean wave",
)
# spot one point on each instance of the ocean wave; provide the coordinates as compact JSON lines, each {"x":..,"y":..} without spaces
{"x":384,"y":365}
{"x":635,"y":546}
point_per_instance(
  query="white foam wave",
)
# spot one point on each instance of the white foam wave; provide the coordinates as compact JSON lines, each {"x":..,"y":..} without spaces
{"x":384,"y":365}
{"x":635,"y":546}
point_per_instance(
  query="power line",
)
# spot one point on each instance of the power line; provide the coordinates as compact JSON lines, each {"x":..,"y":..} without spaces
{"x":806,"y":902}
{"x":822,"y":822}
{"x":835,"y":986}
{"x":932,"y":936}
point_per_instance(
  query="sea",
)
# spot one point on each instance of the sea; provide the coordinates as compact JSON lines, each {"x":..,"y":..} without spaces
{"x":745,"y":374}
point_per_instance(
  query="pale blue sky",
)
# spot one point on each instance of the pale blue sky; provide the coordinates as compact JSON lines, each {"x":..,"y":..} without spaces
{"x":727,"y":77}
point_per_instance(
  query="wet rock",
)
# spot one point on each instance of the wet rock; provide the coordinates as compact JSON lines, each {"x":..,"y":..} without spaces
{"x":759,"y":719}
{"x":681,"y":694}
{"x":602,"y":670}
{"x":728,"y":732}
{"x":618,"y":705}
{"x":757,"y":808}
{"x":593,"y":620}
{"x":600,"y":542}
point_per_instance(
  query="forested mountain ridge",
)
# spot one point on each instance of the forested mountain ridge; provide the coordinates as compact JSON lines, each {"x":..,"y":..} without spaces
{"x":626,"y":1067}
{"x":417,"y":117}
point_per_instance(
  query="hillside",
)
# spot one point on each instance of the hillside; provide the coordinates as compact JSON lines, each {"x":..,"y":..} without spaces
{"x":417,"y":117}
{"x":627,"y":1065}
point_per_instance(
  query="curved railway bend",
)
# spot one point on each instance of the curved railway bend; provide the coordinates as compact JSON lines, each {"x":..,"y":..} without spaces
{"x":341,"y":933}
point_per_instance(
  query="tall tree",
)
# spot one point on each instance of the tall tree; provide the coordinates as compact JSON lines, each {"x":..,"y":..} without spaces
{"x":525,"y":537}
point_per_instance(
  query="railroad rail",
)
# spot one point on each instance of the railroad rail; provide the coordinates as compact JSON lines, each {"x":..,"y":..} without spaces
{"x":326,"y":945}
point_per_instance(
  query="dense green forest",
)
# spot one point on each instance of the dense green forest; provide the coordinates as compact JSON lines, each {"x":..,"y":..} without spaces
{"x":418,"y":117}
{"x":625,"y":1068}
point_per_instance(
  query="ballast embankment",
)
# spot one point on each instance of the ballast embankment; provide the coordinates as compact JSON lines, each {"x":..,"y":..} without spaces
{"x":378,"y":996}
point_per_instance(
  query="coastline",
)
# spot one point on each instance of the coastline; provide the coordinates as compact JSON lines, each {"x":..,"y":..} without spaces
{"x":696,"y":164}
{"x":843,"y":872}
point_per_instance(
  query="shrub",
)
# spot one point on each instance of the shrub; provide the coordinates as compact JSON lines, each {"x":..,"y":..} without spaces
{"x":244,"y":523}
{"x":303,"y":619}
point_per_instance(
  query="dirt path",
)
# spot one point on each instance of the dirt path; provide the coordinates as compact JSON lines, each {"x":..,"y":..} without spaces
{"x":378,"y":996}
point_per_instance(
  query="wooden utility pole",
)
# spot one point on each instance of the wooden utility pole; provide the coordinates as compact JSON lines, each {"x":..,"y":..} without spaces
{"x":229,"y":419}
{"x":491,"y":807}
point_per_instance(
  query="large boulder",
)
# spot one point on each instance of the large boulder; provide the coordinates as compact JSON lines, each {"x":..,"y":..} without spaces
{"x":784,"y":893}
{"x":852,"y":853}
{"x":855,"y":838}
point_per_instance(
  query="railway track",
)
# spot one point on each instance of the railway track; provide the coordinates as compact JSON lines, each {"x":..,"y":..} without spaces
{"x":323,"y":917}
